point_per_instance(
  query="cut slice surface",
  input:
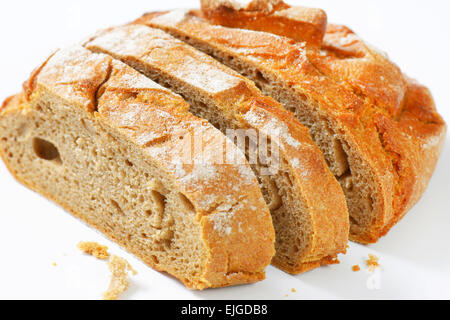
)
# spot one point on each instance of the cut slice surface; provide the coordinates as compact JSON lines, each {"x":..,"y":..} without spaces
{"x":307,"y":204}
{"x":108,"y":145}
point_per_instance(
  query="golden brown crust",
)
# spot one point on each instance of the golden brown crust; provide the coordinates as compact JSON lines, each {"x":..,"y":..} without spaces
{"x":6,"y":102}
{"x":30,"y":84}
{"x":310,"y":177}
{"x":389,"y":121}
{"x":406,"y":120}
{"x":300,"y":23}
{"x":96,"y":83}
{"x":347,"y":59}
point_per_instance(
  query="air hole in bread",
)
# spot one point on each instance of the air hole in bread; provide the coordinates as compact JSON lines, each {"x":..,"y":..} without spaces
{"x":260,"y":77}
{"x":46,"y":150}
{"x":155,"y":259}
{"x":129,"y":163}
{"x":159,"y":205}
{"x":159,"y":200}
{"x":271,"y":193}
{"x":117,"y":207}
{"x":148,"y":212}
{"x":353,"y":221}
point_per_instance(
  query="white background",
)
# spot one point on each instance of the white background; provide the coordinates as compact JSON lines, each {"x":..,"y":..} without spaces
{"x":34,"y":233}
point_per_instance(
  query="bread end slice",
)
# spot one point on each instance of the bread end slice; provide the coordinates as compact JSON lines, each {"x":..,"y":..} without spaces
{"x":105,"y":143}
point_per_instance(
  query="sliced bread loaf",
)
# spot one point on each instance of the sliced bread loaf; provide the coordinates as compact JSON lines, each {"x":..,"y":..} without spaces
{"x":307,"y":204}
{"x":382,"y":157}
{"x":114,"y":148}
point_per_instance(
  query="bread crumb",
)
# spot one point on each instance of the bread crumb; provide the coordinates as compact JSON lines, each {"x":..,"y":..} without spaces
{"x":54,"y":264}
{"x":119,"y":268}
{"x":356,"y":268}
{"x":94,"y":249}
{"x":372,"y":262}
{"x":293,"y":290}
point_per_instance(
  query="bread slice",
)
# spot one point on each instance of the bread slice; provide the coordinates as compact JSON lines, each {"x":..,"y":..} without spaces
{"x":115,"y":149}
{"x":382,"y":159}
{"x":307,"y":204}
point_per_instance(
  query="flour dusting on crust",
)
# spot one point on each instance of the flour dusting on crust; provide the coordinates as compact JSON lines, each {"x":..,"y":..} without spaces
{"x":223,"y":222}
{"x":172,"y":18}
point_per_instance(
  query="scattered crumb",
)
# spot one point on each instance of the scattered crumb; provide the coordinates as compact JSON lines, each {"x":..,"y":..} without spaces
{"x":94,"y":249}
{"x":356,"y":268}
{"x":119,"y":268}
{"x":54,"y":264}
{"x":293,"y":290}
{"x":372,"y":262}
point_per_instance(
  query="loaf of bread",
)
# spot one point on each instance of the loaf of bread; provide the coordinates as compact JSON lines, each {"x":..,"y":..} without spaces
{"x":116,"y":150}
{"x":133,"y":130}
{"x":379,"y":130}
{"x":307,"y":204}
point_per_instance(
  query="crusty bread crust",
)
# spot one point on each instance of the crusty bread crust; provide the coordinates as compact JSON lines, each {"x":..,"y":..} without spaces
{"x":322,"y":203}
{"x":266,"y":6}
{"x":398,"y":144}
{"x":119,"y":98}
{"x":300,"y":23}
{"x":408,"y":109}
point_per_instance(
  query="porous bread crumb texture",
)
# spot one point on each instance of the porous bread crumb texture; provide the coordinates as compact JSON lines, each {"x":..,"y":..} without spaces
{"x":356,"y":268}
{"x":120,"y":269}
{"x":94,"y":249}
{"x":112,"y":185}
{"x":372,"y":262}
